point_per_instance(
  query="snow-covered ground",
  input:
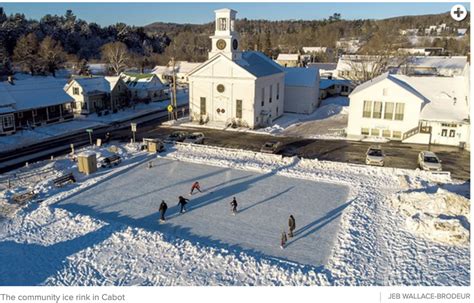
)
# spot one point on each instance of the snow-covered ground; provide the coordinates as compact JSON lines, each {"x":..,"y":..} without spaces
{"x":80,"y":124}
{"x":329,"y":121}
{"x":103,"y":230}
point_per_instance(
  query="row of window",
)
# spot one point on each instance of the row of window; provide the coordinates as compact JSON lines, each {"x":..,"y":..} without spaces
{"x":376,"y":132}
{"x":271,"y":94}
{"x":444,"y":133}
{"x":390,"y":110}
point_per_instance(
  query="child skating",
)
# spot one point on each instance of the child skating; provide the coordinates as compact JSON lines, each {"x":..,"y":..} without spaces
{"x":195,"y":186}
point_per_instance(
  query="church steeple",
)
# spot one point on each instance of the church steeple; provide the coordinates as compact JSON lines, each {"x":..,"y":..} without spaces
{"x":225,"y":39}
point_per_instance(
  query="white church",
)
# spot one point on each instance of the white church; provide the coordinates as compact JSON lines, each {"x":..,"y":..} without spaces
{"x":244,"y":88}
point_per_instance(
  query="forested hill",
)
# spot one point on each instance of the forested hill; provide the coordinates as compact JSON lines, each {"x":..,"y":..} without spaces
{"x":191,"y":41}
{"x":26,"y":42}
{"x":77,"y":37}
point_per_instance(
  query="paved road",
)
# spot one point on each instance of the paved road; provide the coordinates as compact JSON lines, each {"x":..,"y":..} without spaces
{"x":399,"y":155}
{"x":60,"y":146}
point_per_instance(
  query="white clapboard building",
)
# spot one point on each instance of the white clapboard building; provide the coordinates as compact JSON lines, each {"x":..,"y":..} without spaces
{"x":235,"y":87}
{"x":412,"y":109}
{"x":243,"y":88}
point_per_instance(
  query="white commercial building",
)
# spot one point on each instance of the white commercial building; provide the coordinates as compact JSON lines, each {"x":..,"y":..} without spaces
{"x":235,"y":87}
{"x":412,"y":109}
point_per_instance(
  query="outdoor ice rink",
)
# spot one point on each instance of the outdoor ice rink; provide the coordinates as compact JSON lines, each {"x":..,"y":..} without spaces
{"x":265,"y":203}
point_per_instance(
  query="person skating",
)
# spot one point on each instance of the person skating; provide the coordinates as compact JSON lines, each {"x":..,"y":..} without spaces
{"x":291,"y":226}
{"x":182,"y":202}
{"x":283,"y":240}
{"x":195,"y":186}
{"x":233,"y":204}
{"x":163,"y":208}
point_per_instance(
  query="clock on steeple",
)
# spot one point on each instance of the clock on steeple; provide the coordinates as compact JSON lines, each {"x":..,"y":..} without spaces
{"x":225,"y":39}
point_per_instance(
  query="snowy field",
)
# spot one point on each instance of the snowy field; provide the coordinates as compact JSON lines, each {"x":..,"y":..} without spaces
{"x":356,"y":225}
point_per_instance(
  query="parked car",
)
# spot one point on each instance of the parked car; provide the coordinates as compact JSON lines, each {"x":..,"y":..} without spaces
{"x":270,"y":147}
{"x":177,"y":136}
{"x":375,"y":156}
{"x":429,"y":161}
{"x":195,"y":138}
{"x":110,"y":161}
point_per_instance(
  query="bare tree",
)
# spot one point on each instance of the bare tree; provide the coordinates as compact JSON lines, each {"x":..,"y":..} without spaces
{"x":116,"y":55}
{"x":363,"y":68}
{"x":52,"y":55}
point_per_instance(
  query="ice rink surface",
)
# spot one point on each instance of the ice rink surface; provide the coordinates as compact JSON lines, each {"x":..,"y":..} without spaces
{"x":265,"y":203}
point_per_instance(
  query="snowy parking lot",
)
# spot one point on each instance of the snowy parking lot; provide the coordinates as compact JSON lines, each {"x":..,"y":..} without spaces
{"x":265,"y":203}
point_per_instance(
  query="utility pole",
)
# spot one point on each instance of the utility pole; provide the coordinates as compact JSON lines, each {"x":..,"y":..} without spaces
{"x":173,"y":99}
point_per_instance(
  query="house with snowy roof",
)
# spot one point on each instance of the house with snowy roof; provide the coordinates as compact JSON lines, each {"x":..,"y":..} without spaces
{"x":288,"y":60}
{"x":181,"y":70}
{"x":33,"y":101}
{"x":446,"y":66}
{"x":144,"y":87}
{"x":96,"y":94}
{"x":301,"y":90}
{"x":235,"y":87}
{"x":424,"y":110}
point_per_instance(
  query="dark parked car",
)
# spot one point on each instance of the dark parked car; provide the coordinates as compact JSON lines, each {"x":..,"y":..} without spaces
{"x":177,"y":136}
{"x":271,"y":147}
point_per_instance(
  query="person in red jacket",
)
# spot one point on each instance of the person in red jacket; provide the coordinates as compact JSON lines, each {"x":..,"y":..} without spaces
{"x":196,"y":186}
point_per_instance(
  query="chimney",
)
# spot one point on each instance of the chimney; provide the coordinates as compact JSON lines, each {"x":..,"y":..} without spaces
{"x":10,"y":80}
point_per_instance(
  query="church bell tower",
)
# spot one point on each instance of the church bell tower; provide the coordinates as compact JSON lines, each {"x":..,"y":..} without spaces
{"x":225,"y":39}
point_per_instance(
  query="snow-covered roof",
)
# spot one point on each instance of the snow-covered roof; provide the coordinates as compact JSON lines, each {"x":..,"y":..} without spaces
{"x":34,"y":92}
{"x":301,"y":76}
{"x":439,"y":62}
{"x":183,"y":67}
{"x":258,"y":64}
{"x":97,"y":84}
{"x":324,"y":66}
{"x":96,"y":68}
{"x":326,"y":83}
{"x":365,"y":62}
{"x":288,"y":57}
{"x":391,"y":77}
{"x":142,"y":81}
{"x":447,"y":97}
{"x":315,"y":49}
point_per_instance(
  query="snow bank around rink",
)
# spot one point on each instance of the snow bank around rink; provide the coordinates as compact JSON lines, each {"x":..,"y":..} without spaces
{"x":440,"y":216}
{"x":38,"y":177}
{"x":134,"y":256}
{"x":88,"y":251}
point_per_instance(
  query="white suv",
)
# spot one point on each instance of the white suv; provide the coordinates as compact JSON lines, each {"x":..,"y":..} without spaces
{"x":429,"y":161}
{"x":375,"y":156}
